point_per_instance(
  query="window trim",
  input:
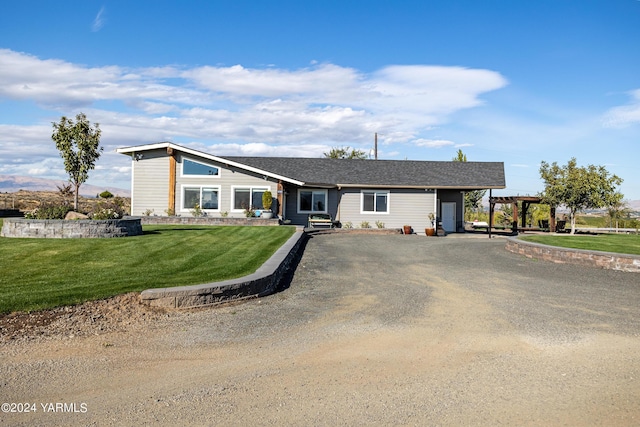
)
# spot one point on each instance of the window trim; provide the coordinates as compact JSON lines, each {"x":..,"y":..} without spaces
{"x":251,"y":188}
{"x":184,"y":175}
{"x":313,"y":190}
{"x":201,"y":187}
{"x":375,"y":195}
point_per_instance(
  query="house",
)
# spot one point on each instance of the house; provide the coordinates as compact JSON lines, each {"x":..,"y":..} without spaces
{"x":169,"y":178}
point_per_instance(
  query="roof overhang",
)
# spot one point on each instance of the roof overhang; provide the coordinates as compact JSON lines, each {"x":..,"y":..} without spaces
{"x":421,"y":187}
{"x":168,"y":145}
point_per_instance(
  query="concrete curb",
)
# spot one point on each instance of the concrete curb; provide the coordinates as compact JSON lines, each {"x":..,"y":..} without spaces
{"x":559,"y":255}
{"x":266,"y":280}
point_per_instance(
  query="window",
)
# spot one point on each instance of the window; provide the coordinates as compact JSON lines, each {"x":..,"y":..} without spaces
{"x":248,"y":197}
{"x":375,"y":202}
{"x":205,"y":197}
{"x":193,"y":168}
{"x":312,"y":201}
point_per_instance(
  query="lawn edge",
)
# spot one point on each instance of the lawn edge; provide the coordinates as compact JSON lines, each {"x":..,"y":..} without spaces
{"x":266,"y":280}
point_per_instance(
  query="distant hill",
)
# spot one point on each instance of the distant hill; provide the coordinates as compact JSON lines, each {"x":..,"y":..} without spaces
{"x":13,"y":183}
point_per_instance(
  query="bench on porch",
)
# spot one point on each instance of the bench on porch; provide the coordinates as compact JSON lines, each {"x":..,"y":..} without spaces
{"x":321,"y":220}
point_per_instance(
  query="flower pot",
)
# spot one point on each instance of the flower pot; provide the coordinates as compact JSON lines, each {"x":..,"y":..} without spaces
{"x":406,"y":229}
{"x":430,"y":231}
{"x":267,"y":214}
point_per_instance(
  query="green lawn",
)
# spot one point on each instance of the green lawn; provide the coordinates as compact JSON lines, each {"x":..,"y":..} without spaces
{"x":44,"y":273}
{"x":618,"y":243}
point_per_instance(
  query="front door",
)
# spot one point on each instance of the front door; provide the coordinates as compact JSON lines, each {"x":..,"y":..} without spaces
{"x":449,"y":216}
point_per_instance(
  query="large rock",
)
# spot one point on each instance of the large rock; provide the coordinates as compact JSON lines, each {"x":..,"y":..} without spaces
{"x":75,"y":215}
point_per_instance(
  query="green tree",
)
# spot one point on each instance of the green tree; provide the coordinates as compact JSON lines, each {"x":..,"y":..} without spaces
{"x":473,"y":198}
{"x":345,"y":153}
{"x":79,"y":147}
{"x":578,"y":188}
{"x":618,"y":210}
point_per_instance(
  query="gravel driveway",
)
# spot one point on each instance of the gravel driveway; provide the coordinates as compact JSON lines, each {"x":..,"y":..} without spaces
{"x":373,"y":330}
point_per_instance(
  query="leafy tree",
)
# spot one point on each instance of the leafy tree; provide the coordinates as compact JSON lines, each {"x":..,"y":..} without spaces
{"x":106,"y":194}
{"x":618,"y":209}
{"x":578,"y":188}
{"x":472,"y":198}
{"x":79,"y":146}
{"x":345,"y":153}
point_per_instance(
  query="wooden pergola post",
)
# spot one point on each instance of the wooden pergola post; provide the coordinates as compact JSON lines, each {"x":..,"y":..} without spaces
{"x":491,"y":207}
{"x":280,"y":198}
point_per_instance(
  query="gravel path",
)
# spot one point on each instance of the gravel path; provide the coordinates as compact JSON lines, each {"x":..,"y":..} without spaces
{"x":373,"y":330}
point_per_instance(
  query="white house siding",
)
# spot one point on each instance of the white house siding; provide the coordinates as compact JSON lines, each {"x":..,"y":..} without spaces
{"x":229,"y":178}
{"x":405,"y":207}
{"x":150,"y":190}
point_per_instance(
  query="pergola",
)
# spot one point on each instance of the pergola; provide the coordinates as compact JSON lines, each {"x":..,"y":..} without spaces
{"x":526,"y":202}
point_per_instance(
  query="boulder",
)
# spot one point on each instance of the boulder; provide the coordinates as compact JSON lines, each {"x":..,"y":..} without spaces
{"x":75,"y":215}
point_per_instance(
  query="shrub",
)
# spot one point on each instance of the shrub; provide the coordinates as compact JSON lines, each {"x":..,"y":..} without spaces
{"x":197,"y":211}
{"x":108,"y":209}
{"x":249,"y":212}
{"x":106,"y":194}
{"x":48,"y":211}
{"x":267,"y":200}
{"x":365,"y":224}
{"x":379,"y":224}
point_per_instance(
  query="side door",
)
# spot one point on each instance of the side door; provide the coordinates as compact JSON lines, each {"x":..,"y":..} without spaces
{"x":449,"y":217}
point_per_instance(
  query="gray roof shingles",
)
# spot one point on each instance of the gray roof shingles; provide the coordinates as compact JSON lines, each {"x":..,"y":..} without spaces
{"x":383,"y":173}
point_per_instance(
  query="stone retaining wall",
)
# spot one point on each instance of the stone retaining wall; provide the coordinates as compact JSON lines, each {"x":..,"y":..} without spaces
{"x":159,"y":220}
{"x":266,"y":280}
{"x":65,"y":229}
{"x":605,"y":260}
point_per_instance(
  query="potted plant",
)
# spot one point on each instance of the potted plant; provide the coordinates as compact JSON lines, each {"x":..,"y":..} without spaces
{"x":267,"y":201}
{"x":431,"y":231}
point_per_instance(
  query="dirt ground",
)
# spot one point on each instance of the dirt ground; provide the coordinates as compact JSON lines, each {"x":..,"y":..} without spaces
{"x":373,"y":330}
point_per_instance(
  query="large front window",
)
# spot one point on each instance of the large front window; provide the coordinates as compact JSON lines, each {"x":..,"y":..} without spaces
{"x":205,"y":197}
{"x":248,"y":198}
{"x":310,"y":201}
{"x":375,"y":202}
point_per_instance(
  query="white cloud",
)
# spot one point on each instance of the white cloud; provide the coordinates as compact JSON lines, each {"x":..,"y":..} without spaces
{"x":234,"y":110}
{"x":98,"y":22}
{"x":433,"y":143}
{"x":624,"y":115}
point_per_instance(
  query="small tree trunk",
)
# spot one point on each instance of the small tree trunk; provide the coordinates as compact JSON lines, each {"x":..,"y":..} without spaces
{"x":75,"y":200}
{"x":573,"y":222}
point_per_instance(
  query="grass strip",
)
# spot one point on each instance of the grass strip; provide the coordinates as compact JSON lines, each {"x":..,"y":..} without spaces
{"x":617,"y":243}
{"x":45,"y":273}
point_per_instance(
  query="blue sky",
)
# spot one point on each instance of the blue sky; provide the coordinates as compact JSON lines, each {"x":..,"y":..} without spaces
{"x":511,"y":81}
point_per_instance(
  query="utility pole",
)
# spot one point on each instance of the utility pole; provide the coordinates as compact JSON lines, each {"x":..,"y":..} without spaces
{"x":375,"y":147}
